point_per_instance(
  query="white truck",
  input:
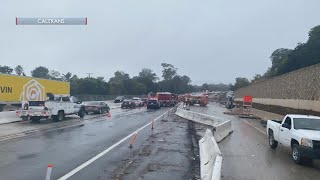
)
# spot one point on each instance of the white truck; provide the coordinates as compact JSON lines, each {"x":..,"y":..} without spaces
{"x":300,"y":133}
{"x":56,"y":108}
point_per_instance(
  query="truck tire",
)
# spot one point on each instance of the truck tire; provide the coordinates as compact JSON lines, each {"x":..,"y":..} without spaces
{"x":35,"y":119}
{"x":272,"y":142}
{"x":60,"y":116}
{"x":25,"y":118}
{"x":81,"y":113}
{"x":296,"y":156}
{"x":54,"y":118}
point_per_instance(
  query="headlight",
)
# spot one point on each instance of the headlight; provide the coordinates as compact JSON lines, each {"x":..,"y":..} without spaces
{"x":306,"y":142}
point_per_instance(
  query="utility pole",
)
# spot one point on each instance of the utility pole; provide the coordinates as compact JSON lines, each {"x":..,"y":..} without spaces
{"x":89,"y":75}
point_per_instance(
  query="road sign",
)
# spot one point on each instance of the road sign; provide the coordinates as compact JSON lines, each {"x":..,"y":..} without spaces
{"x":247,"y":99}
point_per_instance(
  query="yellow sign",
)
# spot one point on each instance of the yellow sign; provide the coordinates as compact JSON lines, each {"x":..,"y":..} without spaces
{"x":21,"y":88}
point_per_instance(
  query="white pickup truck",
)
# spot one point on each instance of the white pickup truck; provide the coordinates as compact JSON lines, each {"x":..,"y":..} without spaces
{"x":56,"y":108}
{"x":301,"y":133}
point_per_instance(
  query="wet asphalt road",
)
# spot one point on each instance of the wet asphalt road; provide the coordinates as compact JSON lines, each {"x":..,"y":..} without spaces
{"x":247,"y":155}
{"x":246,"y":152}
{"x":27,"y":158}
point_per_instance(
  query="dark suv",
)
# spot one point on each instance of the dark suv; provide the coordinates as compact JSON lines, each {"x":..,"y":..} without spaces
{"x":119,"y":99}
{"x":128,"y":103}
{"x":153,"y":104}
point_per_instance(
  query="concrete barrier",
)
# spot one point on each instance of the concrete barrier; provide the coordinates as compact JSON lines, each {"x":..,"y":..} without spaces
{"x":221,"y":126}
{"x":210,"y":157}
{"x":199,"y":118}
{"x":222,"y":130}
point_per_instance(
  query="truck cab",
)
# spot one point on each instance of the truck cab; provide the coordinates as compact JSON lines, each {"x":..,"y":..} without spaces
{"x":301,"y":133}
{"x":67,"y":104}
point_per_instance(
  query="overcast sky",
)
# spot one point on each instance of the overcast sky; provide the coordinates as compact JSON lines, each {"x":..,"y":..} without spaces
{"x":209,"y":40}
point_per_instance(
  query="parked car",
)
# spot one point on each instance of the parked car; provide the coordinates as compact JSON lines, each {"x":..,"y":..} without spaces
{"x":128,"y":103}
{"x":137,"y":101}
{"x":300,"y":133}
{"x":96,"y":107}
{"x":119,"y":99}
{"x":153,"y":104}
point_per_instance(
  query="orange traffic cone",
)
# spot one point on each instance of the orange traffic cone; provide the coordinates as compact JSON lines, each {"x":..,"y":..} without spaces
{"x":152,"y":122}
{"x":132,"y":141}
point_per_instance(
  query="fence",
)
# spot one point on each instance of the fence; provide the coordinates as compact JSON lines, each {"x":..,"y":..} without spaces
{"x":103,"y":97}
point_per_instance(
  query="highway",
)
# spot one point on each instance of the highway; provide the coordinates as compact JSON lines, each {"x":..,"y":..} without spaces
{"x":27,"y":158}
{"x":98,"y":148}
{"x":247,"y":155}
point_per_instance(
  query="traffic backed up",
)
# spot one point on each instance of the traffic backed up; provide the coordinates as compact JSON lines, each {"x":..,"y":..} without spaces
{"x":300,"y":133}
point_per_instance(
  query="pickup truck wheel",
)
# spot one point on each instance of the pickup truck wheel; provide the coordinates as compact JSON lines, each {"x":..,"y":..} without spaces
{"x":272,"y":142}
{"x":81,"y":113}
{"x":60,"y":115}
{"x":54,"y":118}
{"x":296,"y":156}
{"x":25,"y":118}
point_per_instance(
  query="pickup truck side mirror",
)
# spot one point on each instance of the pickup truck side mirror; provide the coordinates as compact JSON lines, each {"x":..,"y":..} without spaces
{"x":285,"y":125}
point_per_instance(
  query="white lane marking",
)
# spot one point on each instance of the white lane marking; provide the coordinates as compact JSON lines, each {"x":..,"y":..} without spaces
{"x":79,"y":168}
{"x":254,"y":127}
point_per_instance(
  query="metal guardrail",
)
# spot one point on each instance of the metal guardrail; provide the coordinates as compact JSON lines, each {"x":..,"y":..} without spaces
{"x":85,"y":97}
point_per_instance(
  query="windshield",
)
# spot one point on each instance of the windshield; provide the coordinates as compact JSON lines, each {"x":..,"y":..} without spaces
{"x":119,"y":97}
{"x":307,"y":123}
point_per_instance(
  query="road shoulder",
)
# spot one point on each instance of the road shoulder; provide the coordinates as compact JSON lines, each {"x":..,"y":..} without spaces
{"x":169,"y":153}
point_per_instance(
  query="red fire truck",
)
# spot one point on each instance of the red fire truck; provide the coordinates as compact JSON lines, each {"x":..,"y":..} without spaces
{"x":166,"y":99}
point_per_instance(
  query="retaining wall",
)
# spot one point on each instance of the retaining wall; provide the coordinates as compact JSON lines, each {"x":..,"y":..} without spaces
{"x":299,"y":90}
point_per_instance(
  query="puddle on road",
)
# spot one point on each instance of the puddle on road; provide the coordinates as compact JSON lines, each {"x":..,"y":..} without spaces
{"x":27,"y":156}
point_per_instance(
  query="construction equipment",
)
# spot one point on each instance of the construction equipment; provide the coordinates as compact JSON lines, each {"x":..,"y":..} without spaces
{"x":200,"y":99}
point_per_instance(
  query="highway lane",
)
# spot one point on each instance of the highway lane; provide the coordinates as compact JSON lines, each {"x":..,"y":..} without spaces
{"x":247,"y":155}
{"x":11,"y":129}
{"x":10,"y":116}
{"x":27,"y":158}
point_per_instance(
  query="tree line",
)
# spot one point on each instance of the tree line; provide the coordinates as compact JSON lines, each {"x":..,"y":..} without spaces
{"x":121,"y":83}
{"x":285,"y":60}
